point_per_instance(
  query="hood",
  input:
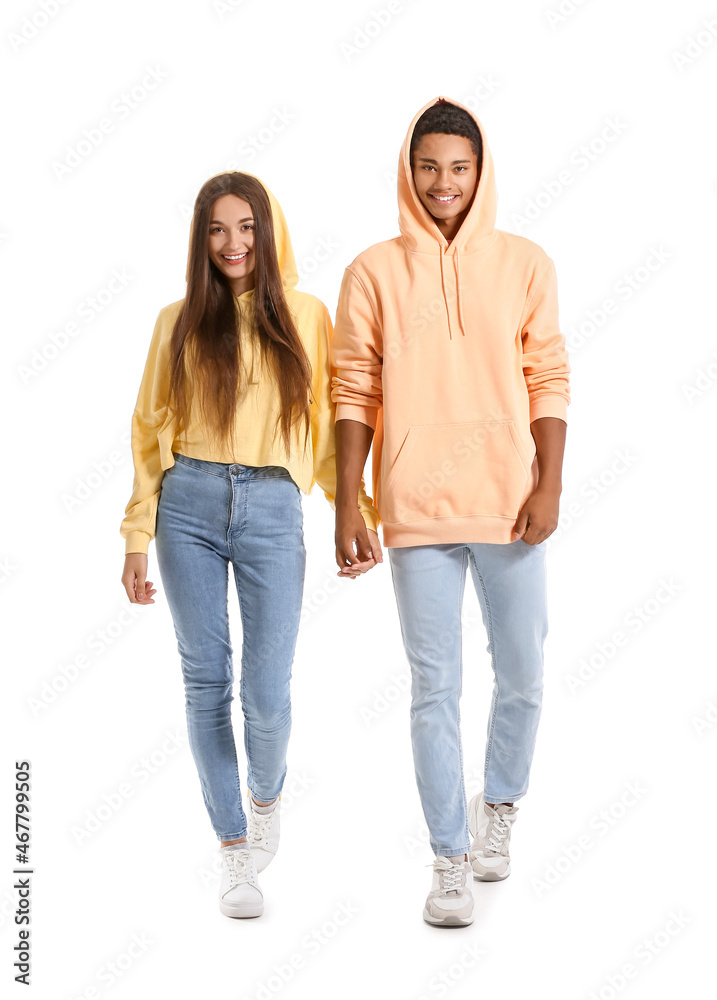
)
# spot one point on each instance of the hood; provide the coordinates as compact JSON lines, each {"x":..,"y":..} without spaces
{"x":421,"y":234}
{"x":284,"y":251}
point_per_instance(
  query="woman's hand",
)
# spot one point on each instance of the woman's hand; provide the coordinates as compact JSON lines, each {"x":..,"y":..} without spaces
{"x":350,"y":528}
{"x":376,"y":549}
{"x":134,"y":579}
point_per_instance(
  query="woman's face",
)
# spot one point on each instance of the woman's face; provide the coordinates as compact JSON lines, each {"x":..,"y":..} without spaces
{"x":231,"y":241}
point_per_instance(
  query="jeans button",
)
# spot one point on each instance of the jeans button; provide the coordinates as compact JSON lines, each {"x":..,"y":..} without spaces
{"x":234,"y":470}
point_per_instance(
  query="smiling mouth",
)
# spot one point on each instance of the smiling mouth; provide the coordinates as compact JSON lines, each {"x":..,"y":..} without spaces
{"x":444,"y":199}
{"x":235,"y":258}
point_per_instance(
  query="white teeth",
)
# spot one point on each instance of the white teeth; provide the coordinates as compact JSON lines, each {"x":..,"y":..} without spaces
{"x":449,"y":197}
{"x":235,"y":257}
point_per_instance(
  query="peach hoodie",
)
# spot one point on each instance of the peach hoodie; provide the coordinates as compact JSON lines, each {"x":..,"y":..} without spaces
{"x":449,"y":352}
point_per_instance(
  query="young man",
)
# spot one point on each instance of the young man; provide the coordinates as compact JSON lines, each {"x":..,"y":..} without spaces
{"x":448,"y":355}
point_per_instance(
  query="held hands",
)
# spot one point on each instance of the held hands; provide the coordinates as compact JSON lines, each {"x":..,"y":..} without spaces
{"x":350,"y":528}
{"x":537,"y":520}
{"x":538,"y":517}
{"x":134,"y":579}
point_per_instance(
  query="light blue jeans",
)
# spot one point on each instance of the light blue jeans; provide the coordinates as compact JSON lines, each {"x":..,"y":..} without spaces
{"x":510,"y":581}
{"x":211,"y":516}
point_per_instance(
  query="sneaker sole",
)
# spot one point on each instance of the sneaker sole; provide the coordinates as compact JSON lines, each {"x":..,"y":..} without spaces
{"x":491,"y":876}
{"x":447,"y":921}
{"x":241,"y":911}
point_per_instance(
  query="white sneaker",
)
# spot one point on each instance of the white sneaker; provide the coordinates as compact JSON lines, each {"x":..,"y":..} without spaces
{"x":450,"y":901}
{"x":490,"y":827}
{"x":239,"y":892}
{"x":263,"y":834}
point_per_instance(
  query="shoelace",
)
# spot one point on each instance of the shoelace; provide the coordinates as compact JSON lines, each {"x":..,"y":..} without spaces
{"x":498,"y":830}
{"x":450,"y":876}
{"x":260,"y":823}
{"x":239,"y":870}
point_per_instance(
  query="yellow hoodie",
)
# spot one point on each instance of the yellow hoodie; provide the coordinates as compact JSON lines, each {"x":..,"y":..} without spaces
{"x":155,"y":433}
{"x":450,"y":351}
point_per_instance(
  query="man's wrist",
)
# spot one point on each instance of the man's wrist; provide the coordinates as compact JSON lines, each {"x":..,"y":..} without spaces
{"x":344,"y":503}
{"x":553,"y":487}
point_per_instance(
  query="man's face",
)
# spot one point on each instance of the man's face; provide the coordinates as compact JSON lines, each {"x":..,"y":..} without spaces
{"x":445,"y":172}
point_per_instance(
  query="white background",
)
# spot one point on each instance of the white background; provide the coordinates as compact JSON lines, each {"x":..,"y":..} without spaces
{"x":636,"y":225}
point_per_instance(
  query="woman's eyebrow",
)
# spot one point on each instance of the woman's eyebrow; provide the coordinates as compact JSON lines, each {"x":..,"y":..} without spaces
{"x":217,"y":222}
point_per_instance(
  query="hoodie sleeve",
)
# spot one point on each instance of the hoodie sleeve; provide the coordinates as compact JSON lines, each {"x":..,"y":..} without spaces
{"x":323,"y":431}
{"x":138,"y":526}
{"x":357,"y":354}
{"x":545,"y":358}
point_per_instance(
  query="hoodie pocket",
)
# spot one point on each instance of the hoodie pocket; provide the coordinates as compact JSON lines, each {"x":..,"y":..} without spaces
{"x":456,"y":470}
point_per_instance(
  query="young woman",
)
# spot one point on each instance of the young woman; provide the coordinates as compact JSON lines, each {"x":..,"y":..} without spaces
{"x":234,"y":419}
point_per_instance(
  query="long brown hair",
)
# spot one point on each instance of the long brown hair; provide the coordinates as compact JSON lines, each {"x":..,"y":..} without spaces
{"x":206,"y":335}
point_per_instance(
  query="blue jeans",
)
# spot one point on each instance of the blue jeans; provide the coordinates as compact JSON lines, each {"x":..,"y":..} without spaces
{"x":510,"y":581}
{"x":212,"y":515}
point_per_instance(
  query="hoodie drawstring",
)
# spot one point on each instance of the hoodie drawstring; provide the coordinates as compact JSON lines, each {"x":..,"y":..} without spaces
{"x":457,"y":269}
{"x":445,"y":297}
{"x":457,"y":276}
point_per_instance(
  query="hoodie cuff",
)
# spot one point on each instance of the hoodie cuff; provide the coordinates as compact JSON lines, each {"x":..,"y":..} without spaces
{"x":371,"y":518}
{"x":550,"y":404}
{"x":137,"y":541}
{"x":353,"y":411}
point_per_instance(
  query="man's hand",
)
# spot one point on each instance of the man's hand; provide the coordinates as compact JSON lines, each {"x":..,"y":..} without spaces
{"x":351,"y":528}
{"x":538,"y":517}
